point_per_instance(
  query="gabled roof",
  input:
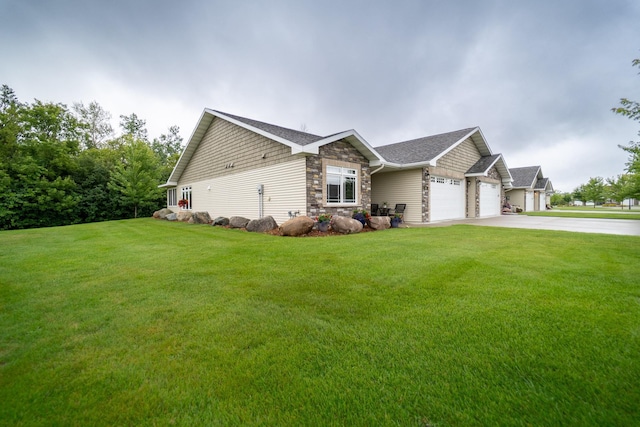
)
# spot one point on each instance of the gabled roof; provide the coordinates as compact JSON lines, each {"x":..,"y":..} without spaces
{"x":296,"y":136}
{"x":424,"y":150}
{"x":484,"y":165}
{"x":526,"y":177}
{"x":544,"y":184}
{"x":299,"y":142}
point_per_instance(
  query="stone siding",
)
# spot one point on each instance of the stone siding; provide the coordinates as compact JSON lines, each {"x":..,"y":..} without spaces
{"x":426,"y":182}
{"x":339,"y":152}
{"x":227,"y":148}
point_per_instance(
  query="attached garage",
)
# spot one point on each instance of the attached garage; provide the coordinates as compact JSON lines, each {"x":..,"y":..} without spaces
{"x":528,"y":201}
{"x":490,"y":202}
{"x":447,"y":199}
{"x":542,"y":201}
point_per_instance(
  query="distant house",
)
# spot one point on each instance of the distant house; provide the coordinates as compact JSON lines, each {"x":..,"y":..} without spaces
{"x":235,"y":166}
{"x":531,"y":191}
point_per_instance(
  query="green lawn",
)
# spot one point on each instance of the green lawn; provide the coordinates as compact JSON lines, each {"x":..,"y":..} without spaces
{"x":145,"y":322}
{"x":597,"y":213}
{"x":635,"y":209}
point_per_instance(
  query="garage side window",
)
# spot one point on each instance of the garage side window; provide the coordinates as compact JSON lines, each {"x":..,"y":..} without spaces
{"x":172,"y":197}
{"x":342,"y":184}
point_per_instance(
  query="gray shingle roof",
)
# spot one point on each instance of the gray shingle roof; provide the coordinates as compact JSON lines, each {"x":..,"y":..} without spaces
{"x":483,"y":164}
{"x":541,"y":184}
{"x":421,"y":149}
{"x":524,"y":177}
{"x":296,"y":136}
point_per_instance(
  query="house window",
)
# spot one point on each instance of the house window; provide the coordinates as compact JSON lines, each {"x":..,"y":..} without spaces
{"x":185,"y":198}
{"x":342,"y":184}
{"x":172,"y":197}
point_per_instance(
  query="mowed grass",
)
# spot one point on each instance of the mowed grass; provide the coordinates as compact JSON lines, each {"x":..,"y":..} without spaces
{"x":145,"y":322}
{"x":633,"y":215}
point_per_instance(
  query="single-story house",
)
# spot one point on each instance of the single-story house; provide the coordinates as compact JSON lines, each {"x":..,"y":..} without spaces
{"x":531,"y":191}
{"x":442,"y":177}
{"x":235,"y":166}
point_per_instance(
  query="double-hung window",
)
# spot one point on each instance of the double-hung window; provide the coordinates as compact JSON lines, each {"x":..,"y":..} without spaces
{"x":342,"y":184}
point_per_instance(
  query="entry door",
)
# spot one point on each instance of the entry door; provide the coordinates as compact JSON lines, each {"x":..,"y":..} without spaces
{"x":528,"y":202}
{"x":490,"y":203}
{"x":447,"y":197}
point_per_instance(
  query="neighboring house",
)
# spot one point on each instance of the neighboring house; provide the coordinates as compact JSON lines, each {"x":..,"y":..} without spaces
{"x":531,"y":191}
{"x":234,"y":166}
{"x":542,"y":194}
{"x":442,"y":177}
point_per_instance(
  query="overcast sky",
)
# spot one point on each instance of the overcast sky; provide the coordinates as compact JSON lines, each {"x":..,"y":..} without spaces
{"x":538,"y":77}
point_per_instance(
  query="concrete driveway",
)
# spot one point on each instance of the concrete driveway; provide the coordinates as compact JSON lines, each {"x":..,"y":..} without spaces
{"x":625,"y":227}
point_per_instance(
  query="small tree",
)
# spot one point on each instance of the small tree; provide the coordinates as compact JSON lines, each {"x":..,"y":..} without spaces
{"x":579,"y":194}
{"x":594,"y":190}
{"x":136,"y":178}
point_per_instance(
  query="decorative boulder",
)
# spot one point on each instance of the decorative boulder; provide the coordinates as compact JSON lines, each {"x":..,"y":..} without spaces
{"x":184,"y":215}
{"x":297,"y":226}
{"x":346,"y":225}
{"x":262,"y":225}
{"x":172,"y":217}
{"x":221,"y":221}
{"x":379,"y":222}
{"x":162,"y":213}
{"x":200,"y":218}
{"x":238,"y":222}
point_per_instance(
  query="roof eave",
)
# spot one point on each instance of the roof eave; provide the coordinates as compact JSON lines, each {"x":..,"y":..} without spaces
{"x":355,"y":139}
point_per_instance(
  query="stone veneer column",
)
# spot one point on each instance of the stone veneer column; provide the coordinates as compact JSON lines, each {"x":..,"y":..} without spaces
{"x":345,"y":152}
{"x":425,"y":194}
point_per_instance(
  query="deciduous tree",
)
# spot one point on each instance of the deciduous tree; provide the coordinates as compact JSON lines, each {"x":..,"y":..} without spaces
{"x":136,"y":178}
{"x":95,"y":123}
{"x":594,"y":190}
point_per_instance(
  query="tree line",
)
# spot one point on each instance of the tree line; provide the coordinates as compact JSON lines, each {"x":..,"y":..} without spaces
{"x":61,"y":165}
{"x":616,"y":189}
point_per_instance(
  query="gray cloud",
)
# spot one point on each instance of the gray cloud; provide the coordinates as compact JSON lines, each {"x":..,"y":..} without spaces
{"x":539,"y":78}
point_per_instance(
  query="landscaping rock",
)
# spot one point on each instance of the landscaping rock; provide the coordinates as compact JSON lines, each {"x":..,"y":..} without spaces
{"x":172,"y":217}
{"x":184,"y":215}
{"x":379,"y":222}
{"x":200,"y":218}
{"x":238,"y":222}
{"x":262,"y":225}
{"x":162,"y":213}
{"x":221,"y":221}
{"x":346,"y":225}
{"x":297,"y":226}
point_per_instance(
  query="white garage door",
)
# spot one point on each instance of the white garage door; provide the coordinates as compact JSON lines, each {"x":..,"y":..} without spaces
{"x":542,"y":199}
{"x":528,"y":202}
{"x":489,"y":199}
{"x":447,"y":199}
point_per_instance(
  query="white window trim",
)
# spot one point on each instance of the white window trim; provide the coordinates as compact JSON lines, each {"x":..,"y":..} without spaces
{"x":172,"y":197}
{"x":186,"y":193}
{"x":344,"y":166}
